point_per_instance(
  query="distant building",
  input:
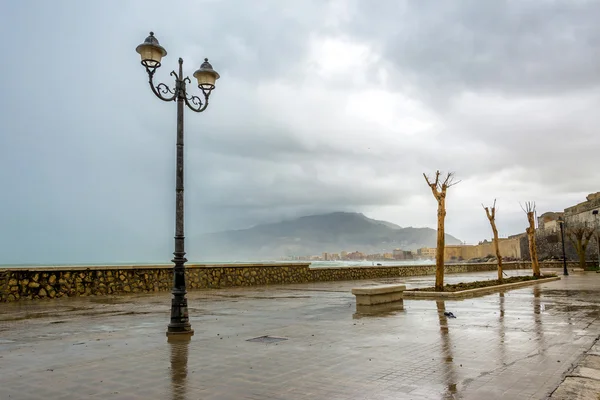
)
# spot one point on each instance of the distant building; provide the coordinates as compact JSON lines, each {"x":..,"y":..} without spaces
{"x":509,"y":247}
{"x":457,"y":252}
{"x":427,"y":252}
{"x":374,"y":257}
{"x":548,"y":221}
{"x":398,"y":254}
{"x":356,"y":255}
{"x":548,"y":236}
{"x":583,"y":213}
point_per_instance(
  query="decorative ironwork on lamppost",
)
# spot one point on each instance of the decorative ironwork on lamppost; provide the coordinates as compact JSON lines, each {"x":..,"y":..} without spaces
{"x":561,"y":222}
{"x":152,"y":53}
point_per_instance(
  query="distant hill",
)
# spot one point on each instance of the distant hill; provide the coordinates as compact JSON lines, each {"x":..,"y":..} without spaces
{"x":313,"y":235}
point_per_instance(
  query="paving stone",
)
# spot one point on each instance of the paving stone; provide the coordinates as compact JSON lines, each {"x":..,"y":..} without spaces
{"x":595,"y":350}
{"x":585,"y":372}
{"x":517,"y":344}
{"x":575,"y":388}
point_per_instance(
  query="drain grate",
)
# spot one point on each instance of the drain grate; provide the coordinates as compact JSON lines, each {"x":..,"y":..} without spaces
{"x":266,"y":339}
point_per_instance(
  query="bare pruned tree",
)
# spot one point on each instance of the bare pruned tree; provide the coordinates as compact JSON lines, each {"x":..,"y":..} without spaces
{"x":439,"y":188}
{"x":491,"y":215}
{"x":579,"y":235}
{"x":529,"y":209}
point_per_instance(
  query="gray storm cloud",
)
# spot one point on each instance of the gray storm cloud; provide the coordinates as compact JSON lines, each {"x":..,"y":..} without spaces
{"x":322,"y":106}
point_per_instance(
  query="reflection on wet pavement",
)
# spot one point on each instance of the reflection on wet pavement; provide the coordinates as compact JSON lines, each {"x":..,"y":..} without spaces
{"x":378,"y":310}
{"x":448,"y":364}
{"x":179,"y":360}
{"x":513,"y":345}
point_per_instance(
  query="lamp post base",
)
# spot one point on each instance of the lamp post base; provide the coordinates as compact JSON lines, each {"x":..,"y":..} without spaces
{"x":180,"y":335}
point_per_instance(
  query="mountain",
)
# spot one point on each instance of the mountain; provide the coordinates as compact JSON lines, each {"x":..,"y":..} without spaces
{"x":313,"y":235}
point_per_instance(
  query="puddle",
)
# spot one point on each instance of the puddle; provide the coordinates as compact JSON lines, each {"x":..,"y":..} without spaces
{"x":575,"y":308}
{"x":235,"y":296}
{"x":104,"y":328}
{"x":378,"y":310}
{"x":133,"y":313}
{"x":53,"y":335}
{"x":109,"y":300}
{"x":570,"y":293}
{"x":593,"y":314}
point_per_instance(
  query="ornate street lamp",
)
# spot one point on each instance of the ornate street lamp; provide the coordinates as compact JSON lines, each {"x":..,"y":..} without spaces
{"x":561,"y":222}
{"x":152,"y":53}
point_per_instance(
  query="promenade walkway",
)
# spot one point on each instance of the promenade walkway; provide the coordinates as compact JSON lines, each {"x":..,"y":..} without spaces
{"x":516,"y":345}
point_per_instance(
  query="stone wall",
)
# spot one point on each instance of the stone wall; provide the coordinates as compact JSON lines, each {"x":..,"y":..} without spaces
{"x":582,"y":212}
{"x":346,"y":273}
{"x":509,"y":247}
{"x":55,"y":282}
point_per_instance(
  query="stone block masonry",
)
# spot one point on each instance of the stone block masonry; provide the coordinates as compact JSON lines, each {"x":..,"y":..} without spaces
{"x":67,"y":281}
{"x":55,"y":282}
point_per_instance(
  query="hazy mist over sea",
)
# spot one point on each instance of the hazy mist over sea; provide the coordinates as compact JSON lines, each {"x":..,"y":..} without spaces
{"x":314,"y":264}
{"x":321,"y":107}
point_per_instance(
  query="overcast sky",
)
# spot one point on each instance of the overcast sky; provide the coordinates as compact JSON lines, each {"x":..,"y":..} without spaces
{"x":321,"y":106}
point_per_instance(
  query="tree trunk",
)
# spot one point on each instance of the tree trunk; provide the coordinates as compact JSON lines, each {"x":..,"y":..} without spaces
{"x":492,"y":218}
{"x":497,"y":248}
{"x":580,"y":238}
{"x":438,"y":188}
{"x":439,"y":257}
{"x":532,"y":246}
{"x":581,"y":255}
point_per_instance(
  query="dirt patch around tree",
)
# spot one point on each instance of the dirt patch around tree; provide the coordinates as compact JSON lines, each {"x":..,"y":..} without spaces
{"x":457,"y":287}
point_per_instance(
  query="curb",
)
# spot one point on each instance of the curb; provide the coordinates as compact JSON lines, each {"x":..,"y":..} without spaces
{"x":414,"y":295}
{"x":581,"y":381}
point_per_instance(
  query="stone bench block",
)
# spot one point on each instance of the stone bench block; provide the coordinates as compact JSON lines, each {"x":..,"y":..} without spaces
{"x":371,"y":295}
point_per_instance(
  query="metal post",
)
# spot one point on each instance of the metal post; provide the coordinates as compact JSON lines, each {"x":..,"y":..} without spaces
{"x":562,"y":237}
{"x":595,"y":212}
{"x":180,"y":323}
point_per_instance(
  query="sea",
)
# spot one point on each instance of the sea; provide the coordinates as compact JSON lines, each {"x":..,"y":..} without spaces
{"x":314,"y":264}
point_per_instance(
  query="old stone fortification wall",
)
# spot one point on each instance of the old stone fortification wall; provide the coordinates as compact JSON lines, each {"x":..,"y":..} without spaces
{"x":549,"y":245}
{"x":55,"y":282}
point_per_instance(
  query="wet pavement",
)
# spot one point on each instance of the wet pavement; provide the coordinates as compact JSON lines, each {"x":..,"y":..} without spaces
{"x":514,"y":345}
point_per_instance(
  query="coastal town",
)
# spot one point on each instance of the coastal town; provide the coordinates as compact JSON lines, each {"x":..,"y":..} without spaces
{"x":514,"y":247}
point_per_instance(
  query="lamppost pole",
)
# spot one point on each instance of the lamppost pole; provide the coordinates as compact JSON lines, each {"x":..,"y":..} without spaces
{"x":152,"y":53}
{"x":179,"y":311}
{"x":562,"y":239}
{"x":595,"y":213}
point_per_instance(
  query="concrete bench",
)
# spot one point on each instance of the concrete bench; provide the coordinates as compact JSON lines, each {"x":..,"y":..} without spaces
{"x":371,"y":295}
